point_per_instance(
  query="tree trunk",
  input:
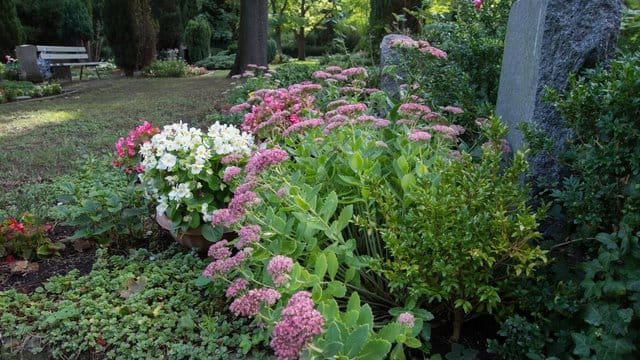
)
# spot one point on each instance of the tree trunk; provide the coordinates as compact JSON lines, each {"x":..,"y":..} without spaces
{"x":277,"y":36}
{"x":252,"y":39}
{"x":300,"y":40}
{"x":458,"y":319}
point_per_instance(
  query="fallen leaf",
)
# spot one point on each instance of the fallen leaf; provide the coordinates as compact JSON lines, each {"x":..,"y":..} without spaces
{"x":23,"y":266}
{"x":133,"y":287}
{"x":81,"y":245}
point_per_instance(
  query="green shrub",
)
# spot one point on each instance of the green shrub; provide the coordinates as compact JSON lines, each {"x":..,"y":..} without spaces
{"x":399,"y":214}
{"x":601,"y":200}
{"x":293,"y":73}
{"x":10,"y":28}
{"x":197,"y":38}
{"x":167,"y":68}
{"x":103,"y":205}
{"x":604,"y":154}
{"x":221,"y":60}
{"x":144,"y":305}
{"x":131,"y":33}
{"x":11,"y":89}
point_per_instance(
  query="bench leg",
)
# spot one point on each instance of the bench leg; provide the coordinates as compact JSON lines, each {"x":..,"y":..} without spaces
{"x":97,"y":72}
{"x":81,"y":68}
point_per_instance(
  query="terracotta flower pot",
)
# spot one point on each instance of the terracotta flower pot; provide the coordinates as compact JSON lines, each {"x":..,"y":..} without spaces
{"x":192,"y":238}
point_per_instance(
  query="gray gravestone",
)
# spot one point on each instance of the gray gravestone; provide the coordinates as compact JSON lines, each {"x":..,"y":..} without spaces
{"x":390,"y":56}
{"x":546,"y":41}
{"x":27,"y":56}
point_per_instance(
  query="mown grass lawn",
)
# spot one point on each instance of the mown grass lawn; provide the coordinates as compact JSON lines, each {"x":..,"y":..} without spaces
{"x":40,"y":140}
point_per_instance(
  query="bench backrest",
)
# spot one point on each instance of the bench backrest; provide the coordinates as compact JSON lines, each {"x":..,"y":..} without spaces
{"x":62,"y":53}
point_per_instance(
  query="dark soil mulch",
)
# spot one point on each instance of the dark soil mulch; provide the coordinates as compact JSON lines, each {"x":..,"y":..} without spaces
{"x":72,"y":257}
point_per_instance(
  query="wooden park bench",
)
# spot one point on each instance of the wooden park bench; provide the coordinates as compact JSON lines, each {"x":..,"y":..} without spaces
{"x":60,"y":59}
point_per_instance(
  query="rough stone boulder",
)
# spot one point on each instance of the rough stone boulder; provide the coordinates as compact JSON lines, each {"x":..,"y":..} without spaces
{"x":390,"y":56}
{"x":546,"y":41}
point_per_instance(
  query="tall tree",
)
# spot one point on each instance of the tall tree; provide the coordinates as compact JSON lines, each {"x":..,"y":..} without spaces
{"x":278,"y":20}
{"x":10,"y":28}
{"x":75,"y":25}
{"x":169,"y":17}
{"x":309,"y":15}
{"x":131,"y":32}
{"x":252,"y":39}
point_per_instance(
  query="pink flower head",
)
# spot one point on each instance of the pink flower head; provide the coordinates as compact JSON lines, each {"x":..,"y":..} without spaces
{"x":248,"y":234}
{"x":237,"y":286}
{"x":407,"y":319}
{"x":321,"y":75}
{"x":281,"y":192}
{"x":230,"y":173}
{"x":219,"y":250}
{"x":418,"y":135}
{"x":279,"y":268}
{"x":224,"y":265}
{"x":231,"y":158}
{"x":333,"y":69}
{"x":477,"y":4}
{"x":298,"y":127}
{"x":263,"y":158}
{"x":239,"y":108}
{"x":414,"y":108}
{"x":300,"y":323}
{"x":249,"y":303}
{"x":453,"y":109}
{"x":447,"y":131}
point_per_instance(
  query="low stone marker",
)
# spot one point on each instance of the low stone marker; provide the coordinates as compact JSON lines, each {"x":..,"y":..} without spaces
{"x":27,"y":55}
{"x":546,"y":41}
{"x":390,"y":56}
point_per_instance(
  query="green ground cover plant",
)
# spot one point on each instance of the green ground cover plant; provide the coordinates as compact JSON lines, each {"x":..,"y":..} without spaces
{"x":9,"y":90}
{"x":136,"y":306}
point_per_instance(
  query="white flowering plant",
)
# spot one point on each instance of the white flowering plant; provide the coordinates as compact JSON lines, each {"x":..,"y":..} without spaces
{"x":183,"y":170}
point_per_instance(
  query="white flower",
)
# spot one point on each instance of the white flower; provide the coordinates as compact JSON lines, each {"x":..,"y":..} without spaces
{"x":183,"y":191}
{"x":167,"y":161}
{"x":161,"y":208}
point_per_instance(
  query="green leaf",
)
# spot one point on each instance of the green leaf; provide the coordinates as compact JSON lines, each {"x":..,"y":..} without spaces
{"x":582,"y":344}
{"x":354,"y":302}
{"x":592,"y":315}
{"x":336,"y":289}
{"x":366,"y":315}
{"x":413,"y":343}
{"x":407,"y":182}
{"x":356,"y":162}
{"x":44,"y":250}
{"x":331,"y":311}
{"x":605,"y":239}
{"x":212,"y":233}
{"x":333,"y":333}
{"x":332,"y":349}
{"x":345,"y":216}
{"x":332,"y":264}
{"x":356,"y":341}
{"x":202,"y":281}
{"x":391,"y":331}
{"x":329,"y":206}
{"x":402,"y":165}
{"x":397,"y":353}
{"x":374,"y":349}
{"x":320,"y":268}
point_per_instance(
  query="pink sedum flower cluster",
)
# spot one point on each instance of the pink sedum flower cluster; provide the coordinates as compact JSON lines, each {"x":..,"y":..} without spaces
{"x":249,"y":303}
{"x":300,"y":323}
{"x":407,"y":319}
{"x":279,"y":268}
{"x":248,"y":234}
{"x":420,"y":45}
